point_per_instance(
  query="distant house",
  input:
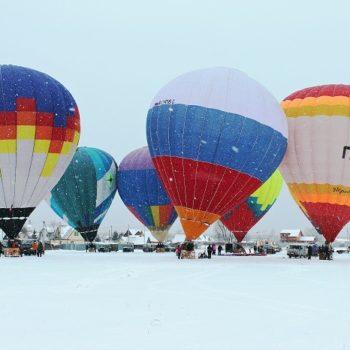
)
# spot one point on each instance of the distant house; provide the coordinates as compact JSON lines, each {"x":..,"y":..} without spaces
{"x":69,"y":235}
{"x":137,"y":237}
{"x":291,"y":235}
{"x":308,"y":239}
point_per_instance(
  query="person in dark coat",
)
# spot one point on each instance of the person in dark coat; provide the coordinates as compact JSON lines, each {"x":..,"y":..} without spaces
{"x":209,"y":250}
{"x":40,"y":250}
{"x":309,"y":252}
{"x":219,"y":249}
{"x":255,"y":248}
{"x":178,"y":251}
{"x":328,"y":251}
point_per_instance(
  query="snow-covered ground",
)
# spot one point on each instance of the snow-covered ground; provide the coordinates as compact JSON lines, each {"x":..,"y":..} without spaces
{"x":76,"y":300}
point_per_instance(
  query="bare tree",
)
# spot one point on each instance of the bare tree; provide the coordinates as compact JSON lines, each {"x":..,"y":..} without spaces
{"x":116,"y":236}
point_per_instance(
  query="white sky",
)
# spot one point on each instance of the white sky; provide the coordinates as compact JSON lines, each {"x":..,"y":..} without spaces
{"x":114,"y":56}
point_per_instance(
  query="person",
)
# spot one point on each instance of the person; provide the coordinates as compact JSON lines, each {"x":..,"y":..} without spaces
{"x":321,"y":252}
{"x":86,"y":247}
{"x":209,"y":250}
{"x":255,"y":248}
{"x":213,"y":249}
{"x":202,"y":255}
{"x":40,"y":250}
{"x":178,"y":251}
{"x":35,"y":247}
{"x":1,"y":249}
{"x":220,"y":249}
{"x":309,"y":252}
{"x":327,"y":251}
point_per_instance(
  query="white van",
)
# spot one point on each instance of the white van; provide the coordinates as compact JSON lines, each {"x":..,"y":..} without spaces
{"x":297,"y":251}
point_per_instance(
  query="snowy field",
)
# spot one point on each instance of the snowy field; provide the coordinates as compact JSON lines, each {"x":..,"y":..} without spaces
{"x":74,"y":300}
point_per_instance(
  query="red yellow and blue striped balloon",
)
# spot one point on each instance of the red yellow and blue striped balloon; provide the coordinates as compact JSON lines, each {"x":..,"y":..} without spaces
{"x":143,"y":193}
{"x":215,"y":135}
{"x":39,"y":133}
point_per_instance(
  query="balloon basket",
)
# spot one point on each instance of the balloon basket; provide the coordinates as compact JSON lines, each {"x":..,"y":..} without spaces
{"x":160,"y":250}
{"x":323,"y":256}
{"x":188,"y":254}
{"x":12,"y":252}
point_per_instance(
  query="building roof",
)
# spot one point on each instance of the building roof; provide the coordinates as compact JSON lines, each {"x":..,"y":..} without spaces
{"x":136,"y":239}
{"x":307,"y":239}
{"x":292,"y":233}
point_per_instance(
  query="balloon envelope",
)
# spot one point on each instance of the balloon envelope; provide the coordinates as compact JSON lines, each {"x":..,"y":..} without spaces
{"x":215,"y":135}
{"x":143,"y":193}
{"x":86,"y":190}
{"x":317,"y":164}
{"x":245,"y":215}
{"x":39,"y":132}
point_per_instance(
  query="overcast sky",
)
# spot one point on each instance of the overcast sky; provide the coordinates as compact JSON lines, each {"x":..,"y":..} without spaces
{"x":114,"y":56}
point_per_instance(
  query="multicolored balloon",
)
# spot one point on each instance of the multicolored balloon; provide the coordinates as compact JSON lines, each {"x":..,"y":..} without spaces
{"x":317,"y":164}
{"x":142,"y":192}
{"x":39,"y":133}
{"x":215,"y":135}
{"x":86,"y":190}
{"x":244,"y":216}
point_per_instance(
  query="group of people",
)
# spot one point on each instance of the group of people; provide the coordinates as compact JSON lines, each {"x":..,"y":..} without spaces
{"x":90,"y":247}
{"x":36,"y":248}
{"x":325,"y":252}
{"x":258,"y":249}
{"x":211,"y":250}
{"x":186,"y":247}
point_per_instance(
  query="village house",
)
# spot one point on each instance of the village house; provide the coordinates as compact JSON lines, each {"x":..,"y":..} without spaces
{"x":288,"y":236}
{"x":296,"y":236}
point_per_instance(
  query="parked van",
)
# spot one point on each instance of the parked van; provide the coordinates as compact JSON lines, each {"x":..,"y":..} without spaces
{"x":297,"y":251}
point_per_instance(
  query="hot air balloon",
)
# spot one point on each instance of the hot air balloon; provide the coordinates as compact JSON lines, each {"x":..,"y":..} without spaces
{"x":215,"y":135}
{"x":245,"y":215}
{"x":86,"y":190}
{"x":39,"y":133}
{"x":317,"y":163}
{"x":142,"y":192}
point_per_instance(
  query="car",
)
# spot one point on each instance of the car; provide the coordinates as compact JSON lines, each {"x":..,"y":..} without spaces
{"x":277,"y":248}
{"x":26,"y":247}
{"x":170,"y":249}
{"x":148,"y":248}
{"x":269,"y":249}
{"x":105,"y":248}
{"x":128,"y":248}
{"x":297,"y":251}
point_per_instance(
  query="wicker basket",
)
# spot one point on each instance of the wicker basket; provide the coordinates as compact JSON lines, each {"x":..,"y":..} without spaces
{"x":186,"y":254}
{"x":12,"y":252}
